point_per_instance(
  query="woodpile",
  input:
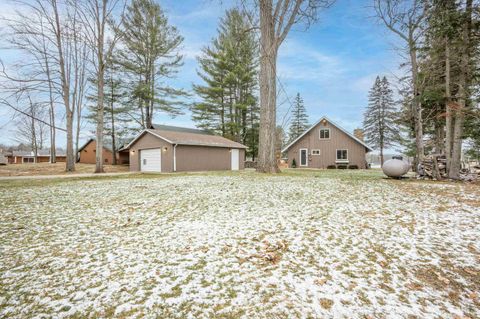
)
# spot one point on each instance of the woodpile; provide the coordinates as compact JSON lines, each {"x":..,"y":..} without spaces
{"x":435,"y":167}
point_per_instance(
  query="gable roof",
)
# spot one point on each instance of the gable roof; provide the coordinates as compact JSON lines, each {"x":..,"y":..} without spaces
{"x":106,"y":145}
{"x":188,"y":138}
{"x":178,"y":129}
{"x":334,"y":124}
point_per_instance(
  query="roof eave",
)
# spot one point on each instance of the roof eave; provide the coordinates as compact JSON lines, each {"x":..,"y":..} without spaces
{"x":334,"y":124}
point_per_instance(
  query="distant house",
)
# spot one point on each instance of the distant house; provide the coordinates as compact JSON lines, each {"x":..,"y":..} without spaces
{"x":327,"y":144}
{"x":87,"y":154}
{"x":175,"y":149}
{"x":3,"y":159}
{"x":43,"y":156}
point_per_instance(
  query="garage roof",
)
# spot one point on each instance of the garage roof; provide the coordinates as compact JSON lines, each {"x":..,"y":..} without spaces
{"x":187,"y":138}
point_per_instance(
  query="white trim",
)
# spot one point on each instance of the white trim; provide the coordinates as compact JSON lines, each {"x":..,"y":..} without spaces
{"x":323,"y":138}
{"x":341,"y":160}
{"x":317,"y":149}
{"x":334,"y":124}
{"x":175,"y":157}
{"x":300,"y":157}
{"x":141,"y":134}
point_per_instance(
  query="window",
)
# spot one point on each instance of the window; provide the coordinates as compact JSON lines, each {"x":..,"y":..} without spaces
{"x":324,"y":133}
{"x":342,"y":155}
{"x":315,"y":152}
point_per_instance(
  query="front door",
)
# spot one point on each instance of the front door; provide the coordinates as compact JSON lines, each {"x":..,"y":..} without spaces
{"x":303,"y":157}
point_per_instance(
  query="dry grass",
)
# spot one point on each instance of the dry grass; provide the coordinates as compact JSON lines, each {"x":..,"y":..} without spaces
{"x":54,"y":169}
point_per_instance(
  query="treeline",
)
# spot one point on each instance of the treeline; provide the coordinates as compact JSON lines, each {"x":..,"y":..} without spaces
{"x":110,"y":64}
{"x":439,"y":105}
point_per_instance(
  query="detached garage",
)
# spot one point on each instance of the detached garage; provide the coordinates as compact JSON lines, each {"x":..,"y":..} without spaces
{"x":174,"y":149}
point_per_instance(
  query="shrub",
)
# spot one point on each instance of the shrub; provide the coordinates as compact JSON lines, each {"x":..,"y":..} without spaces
{"x":353,"y":167}
{"x":342,"y":166}
{"x":331,"y":167}
{"x":294,"y":163}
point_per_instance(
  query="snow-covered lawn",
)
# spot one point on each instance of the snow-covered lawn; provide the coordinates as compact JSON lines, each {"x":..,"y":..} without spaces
{"x":305,"y":244}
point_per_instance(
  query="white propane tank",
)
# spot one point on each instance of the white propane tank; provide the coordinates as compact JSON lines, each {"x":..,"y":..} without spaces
{"x":396,"y":167}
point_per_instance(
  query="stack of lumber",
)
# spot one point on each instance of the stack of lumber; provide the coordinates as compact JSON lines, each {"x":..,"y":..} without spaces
{"x":433,"y":166}
{"x":470,"y":175}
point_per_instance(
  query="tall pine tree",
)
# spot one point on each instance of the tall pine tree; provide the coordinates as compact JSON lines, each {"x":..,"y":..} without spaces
{"x":150,"y":57}
{"x":228,"y":104}
{"x":379,"y":122}
{"x":299,"y":121}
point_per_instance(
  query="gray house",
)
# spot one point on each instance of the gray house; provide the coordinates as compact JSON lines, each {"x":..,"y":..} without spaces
{"x":326,"y":144}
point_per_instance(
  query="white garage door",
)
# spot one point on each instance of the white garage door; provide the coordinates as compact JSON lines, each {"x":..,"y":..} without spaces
{"x":235,"y":159}
{"x":151,"y":160}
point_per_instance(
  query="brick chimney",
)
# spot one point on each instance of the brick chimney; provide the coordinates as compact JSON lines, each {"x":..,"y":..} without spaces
{"x":358,"y":133}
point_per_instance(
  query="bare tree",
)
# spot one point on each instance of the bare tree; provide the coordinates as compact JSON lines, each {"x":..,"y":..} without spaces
{"x":29,"y":127}
{"x":43,"y":30}
{"x":276,"y":20}
{"x":98,"y":18}
{"x":405,"y":18}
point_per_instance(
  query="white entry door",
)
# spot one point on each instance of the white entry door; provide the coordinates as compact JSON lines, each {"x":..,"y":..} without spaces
{"x":151,"y":160}
{"x":303,"y":157}
{"x":235,"y":154}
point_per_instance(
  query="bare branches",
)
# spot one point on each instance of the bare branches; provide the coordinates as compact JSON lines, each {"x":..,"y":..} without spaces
{"x":23,"y":112}
{"x":403,"y":17}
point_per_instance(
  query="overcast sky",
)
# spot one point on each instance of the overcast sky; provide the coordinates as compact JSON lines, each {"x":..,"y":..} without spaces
{"x":332,"y":65}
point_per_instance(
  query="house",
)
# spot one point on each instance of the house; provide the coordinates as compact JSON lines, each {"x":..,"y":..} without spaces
{"x":175,"y":149}
{"x":326,"y":144}
{"x":87,"y":153}
{"x":43,"y":156}
{"x":3,"y":159}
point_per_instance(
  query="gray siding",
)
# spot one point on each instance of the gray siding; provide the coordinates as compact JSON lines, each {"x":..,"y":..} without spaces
{"x":148,"y":141}
{"x":328,"y":147}
{"x":189,"y":158}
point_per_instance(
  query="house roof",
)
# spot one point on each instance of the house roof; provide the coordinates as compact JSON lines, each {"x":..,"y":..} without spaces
{"x":188,"y":138}
{"x":106,"y":145}
{"x":178,"y":129}
{"x":334,"y":124}
{"x":40,"y":153}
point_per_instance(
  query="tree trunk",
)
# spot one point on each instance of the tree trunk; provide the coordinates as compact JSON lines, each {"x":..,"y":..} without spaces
{"x":268,"y":91}
{"x":70,"y":156}
{"x":463,"y":83}
{"x":53,"y":151}
{"x":51,"y":110}
{"x":416,"y":106}
{"x":33,"y":133}
{"x":448,"y":108}
{"x":100,"y":115}
{"x":439,"y":138}
{"x":112,"y":114}
{"x":70,"y":160}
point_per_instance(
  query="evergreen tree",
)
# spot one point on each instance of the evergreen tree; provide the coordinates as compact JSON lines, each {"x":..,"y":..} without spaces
{"x":149,"y":56}
{"x":379,"y":123}
{"x":228,"y":66}
{"x":299,"y":122}
{"x":115,"y":110}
